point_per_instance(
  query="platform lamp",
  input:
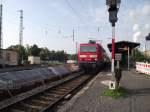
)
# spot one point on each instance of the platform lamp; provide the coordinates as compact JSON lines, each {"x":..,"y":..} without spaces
{"x":147,"y":39}
{"x":113,"y":7}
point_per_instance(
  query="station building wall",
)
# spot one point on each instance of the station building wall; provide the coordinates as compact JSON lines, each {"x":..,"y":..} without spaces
{"x":9,"y":57}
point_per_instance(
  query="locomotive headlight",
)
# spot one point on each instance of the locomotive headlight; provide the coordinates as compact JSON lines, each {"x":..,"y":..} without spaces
{"x":93,"y":56}
{"x":95,"y":59}
{"x":82,"y":56}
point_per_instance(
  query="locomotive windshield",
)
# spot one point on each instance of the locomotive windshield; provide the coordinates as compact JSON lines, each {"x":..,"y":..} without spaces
{"x":87,"y":48}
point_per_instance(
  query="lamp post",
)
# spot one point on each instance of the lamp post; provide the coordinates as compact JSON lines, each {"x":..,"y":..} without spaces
{"x":76,"y":52}
{"x":113,"y":7}
{"x":147,"y":39}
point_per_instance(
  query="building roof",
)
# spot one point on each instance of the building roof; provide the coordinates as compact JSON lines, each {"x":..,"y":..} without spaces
{"x":123,"y":44}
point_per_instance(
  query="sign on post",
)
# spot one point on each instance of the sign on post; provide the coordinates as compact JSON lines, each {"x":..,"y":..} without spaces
{"x":118,"y":56}
{"x":112,"y":85}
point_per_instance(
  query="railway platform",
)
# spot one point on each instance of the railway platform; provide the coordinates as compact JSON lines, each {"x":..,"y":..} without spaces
{"x":91,"y":98}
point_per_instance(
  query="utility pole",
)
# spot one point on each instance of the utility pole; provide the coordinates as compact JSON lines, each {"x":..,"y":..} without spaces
{"x":21,"y":37}
{"x":76,"y":52}
{"x":128,"y":58}
{"x":73,"y":35}
{"x":1,"y":53}
{"x":98,"y":30}
{"x":1,"y":8}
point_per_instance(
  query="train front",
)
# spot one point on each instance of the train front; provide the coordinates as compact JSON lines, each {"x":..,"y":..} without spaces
{"x":88,"y":56}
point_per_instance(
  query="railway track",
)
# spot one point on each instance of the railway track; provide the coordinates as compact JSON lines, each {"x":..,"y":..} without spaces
{"x":45,"y":97}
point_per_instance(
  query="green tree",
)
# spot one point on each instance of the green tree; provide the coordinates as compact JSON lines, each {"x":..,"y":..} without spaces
{"x":139,"y":56}
{"x":61,"y":56}
{"x":72,"y":56}
{"x":44,"y":53}
{"x":34,"y":50}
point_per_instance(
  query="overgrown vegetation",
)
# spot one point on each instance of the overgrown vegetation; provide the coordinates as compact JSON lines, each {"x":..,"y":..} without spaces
{"x":44,"y":53}
{"x":139,"y":56}
{"x":117,"y":93}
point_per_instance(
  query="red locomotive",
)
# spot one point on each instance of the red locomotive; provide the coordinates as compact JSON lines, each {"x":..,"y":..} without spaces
{"x":91,"y":56}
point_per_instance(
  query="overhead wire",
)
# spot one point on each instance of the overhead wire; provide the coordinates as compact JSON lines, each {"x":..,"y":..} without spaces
{"x":39,"y":26}
{"x":74,"y":11}
{"x":29,"y":21}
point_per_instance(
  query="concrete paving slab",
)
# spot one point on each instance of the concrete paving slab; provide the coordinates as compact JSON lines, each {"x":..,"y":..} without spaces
{"x":91,"y":99}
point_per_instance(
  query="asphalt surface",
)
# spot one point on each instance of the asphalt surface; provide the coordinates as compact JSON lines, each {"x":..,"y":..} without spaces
{"x":91,"y":99}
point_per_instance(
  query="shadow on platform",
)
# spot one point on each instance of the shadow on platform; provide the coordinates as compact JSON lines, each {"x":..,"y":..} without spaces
{"x":138,"y":92}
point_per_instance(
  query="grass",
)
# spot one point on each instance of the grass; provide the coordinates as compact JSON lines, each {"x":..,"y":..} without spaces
{"x":117,"y":93}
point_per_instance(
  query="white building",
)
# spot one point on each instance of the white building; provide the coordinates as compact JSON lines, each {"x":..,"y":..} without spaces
{"x":8,"y":57}
{"x":34,"y":59}
{"x":147,"y":53}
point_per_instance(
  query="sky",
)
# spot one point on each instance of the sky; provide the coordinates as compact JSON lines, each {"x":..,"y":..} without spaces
{"x":50,"y":23}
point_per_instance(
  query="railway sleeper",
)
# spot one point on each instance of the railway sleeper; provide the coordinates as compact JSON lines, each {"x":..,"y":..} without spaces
{"x":55,"y":95}
{"x":31,"y":107}
{"x":41,"y":98}
{"x":22,"y":108}
{"x":25,"y":110}
{"x":64,"y":88}
{"x":58,"y":92}
{"x":17,"y":110}
{"x":61,"y":89}
{"x":48,"y":98}
{"x":37,"y":103}
{"x":44,"y":103}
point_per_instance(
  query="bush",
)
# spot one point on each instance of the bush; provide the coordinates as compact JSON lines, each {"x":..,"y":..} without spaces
{"x":139,"y":56}
{"x":117,"y":93}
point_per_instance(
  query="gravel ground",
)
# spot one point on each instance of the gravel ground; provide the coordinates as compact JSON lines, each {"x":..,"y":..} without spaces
{"x":91,"y":99}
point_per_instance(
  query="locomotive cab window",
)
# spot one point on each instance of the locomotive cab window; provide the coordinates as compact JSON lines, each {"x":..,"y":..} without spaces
{"x":87,"y":48}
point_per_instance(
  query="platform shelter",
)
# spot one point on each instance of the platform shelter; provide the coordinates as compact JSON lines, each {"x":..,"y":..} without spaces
{"x":122,"y":47}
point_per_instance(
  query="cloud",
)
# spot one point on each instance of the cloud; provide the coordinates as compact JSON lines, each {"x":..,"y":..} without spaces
{"x":137,"y":36}
{"x":137,"y":13}
{"x":140,"y":32}
{"x":94,"y":15}
{"x":146,"y":30}
{"x":140,"y":20}
{"x":54,"y":4}
{"x":146,"y":9}
{"x":99,"y":14}
{"x":135,"y":27}
{"x":147,"y":27}
{"x":134,"y":15}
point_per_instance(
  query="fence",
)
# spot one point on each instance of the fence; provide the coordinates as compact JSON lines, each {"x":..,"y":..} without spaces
{"x":143,"y":67}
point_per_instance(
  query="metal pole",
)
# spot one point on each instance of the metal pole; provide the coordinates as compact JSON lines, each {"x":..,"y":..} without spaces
{"x":128,"y":58}
{"x":118,"y":66}
{"x":73,"y":35}
{"x":2,"y":61}
{"x":113,"y":51}
{"x":77,"y":52}
{"x":1,"y":7}
{"x":145,"y":47}
{"x":1,"y":31}
{"x":21,"y":38}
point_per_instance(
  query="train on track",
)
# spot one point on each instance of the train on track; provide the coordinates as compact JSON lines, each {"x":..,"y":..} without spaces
{"x":92,"y":56}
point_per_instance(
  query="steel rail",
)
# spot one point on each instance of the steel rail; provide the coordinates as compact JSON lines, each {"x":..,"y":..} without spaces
{"x":25,"y":95}
{"x":71,"y":90}
{"x":44,"y":101}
